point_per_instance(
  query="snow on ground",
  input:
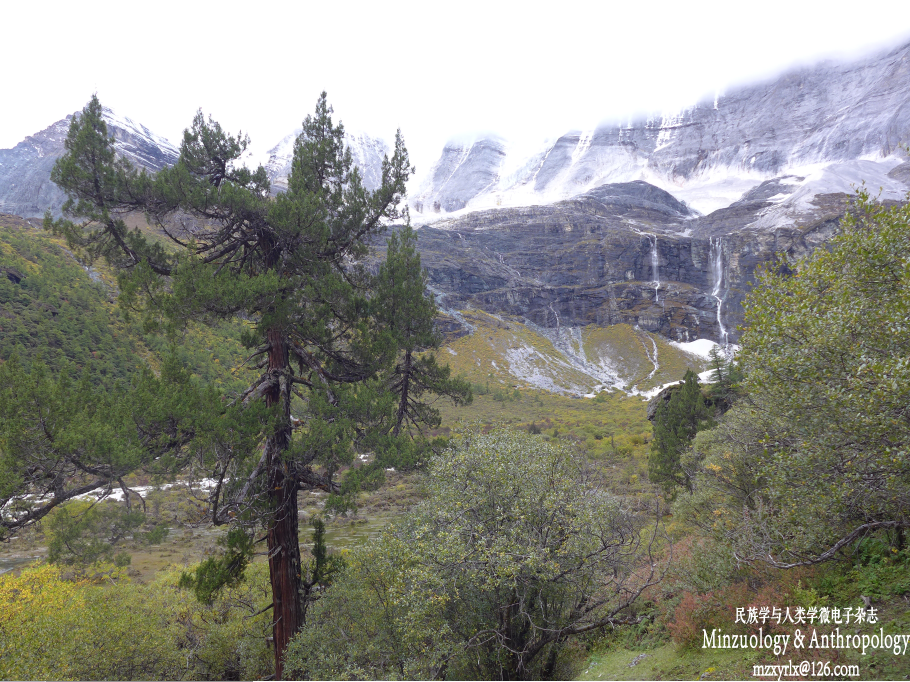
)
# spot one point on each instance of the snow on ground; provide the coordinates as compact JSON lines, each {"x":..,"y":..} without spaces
{"x":700,"y":347}
{"x":843,"y":178}
{"x":713,"y":190}
{"x":647,"y":395}
{"x":117,"y":493}
{"x":706,"y":377}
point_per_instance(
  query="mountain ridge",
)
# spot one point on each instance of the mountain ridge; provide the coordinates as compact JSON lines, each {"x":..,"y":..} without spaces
{"x":25,"y":170}
{"x":832,"y":112}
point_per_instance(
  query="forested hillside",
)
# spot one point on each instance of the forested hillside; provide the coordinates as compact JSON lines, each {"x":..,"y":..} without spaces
{"x":56,"y":308}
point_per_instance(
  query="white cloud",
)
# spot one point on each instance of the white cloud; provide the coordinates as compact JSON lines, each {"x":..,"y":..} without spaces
{"x":455,"y":68}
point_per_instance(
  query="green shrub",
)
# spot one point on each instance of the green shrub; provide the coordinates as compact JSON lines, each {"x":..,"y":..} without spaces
{"x":509,"y":520}
{"x":101,"y":626}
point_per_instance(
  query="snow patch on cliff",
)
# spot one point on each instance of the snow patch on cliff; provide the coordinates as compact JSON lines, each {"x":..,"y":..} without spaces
{"x":139,"y":131}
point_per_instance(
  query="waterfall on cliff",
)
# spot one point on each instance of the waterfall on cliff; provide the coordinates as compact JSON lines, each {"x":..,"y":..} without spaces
{"x":556,"y":315}
{"x":655,"y":275}
{"x":717,"y":273}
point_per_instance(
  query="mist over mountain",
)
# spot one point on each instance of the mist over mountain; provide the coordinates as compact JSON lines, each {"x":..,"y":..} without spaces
{"x":708,"y":155}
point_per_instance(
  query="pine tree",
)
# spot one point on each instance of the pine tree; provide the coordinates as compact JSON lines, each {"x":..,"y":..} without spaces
{"x":292,"y":268}
{"x":62,"y":437}
{"x":676,"y":422}
{"x":726,"y":377}
{"x":718,"y":363}
{"x":409,"y":314}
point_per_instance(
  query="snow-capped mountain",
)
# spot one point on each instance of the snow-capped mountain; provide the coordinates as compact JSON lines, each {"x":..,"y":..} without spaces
{"x":367,"y":152}
{"x":658,"y":224}
{"x":139,"y":144}
{"x":828,"y":125}
{"x":25,"y":183}
{"x":466,"y":169}
{"x":26,"y":188}
{"x":662,"y":223}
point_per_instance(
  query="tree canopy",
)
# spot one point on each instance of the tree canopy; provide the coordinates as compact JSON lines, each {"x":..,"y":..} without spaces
{"x":815,"y":456}
{"x":63,"y":436}
{"x":338,"y":370}
{"x":516,"y":549}
{"x":676,"y":422}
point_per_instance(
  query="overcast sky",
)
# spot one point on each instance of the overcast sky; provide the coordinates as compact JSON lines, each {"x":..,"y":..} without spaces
{"x":525,"y":70}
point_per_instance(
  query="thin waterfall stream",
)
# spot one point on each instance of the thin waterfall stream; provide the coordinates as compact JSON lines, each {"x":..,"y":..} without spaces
{"x":655,"y":273}
{"x":717,"y":273}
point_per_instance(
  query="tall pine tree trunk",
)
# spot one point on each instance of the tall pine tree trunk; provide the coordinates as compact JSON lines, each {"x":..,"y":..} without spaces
{"x":401,"y":415}
{"x":284,"y":550}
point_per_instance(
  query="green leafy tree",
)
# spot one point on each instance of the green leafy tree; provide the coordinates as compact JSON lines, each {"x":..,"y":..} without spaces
{"x":676,"y":422}
{"x":815,"y":457}
{"x":516,"y":550}
{"x":292,"y":267}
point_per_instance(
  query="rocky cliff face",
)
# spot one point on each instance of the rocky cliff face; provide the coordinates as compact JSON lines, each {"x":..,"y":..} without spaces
{"x":25,"y":170}
{"x":622,"y":253}
{"x":663,"y":223}
{"x":465,"y":170}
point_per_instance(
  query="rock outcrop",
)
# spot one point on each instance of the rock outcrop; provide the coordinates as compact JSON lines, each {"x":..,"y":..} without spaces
{"x":624,"y":253}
